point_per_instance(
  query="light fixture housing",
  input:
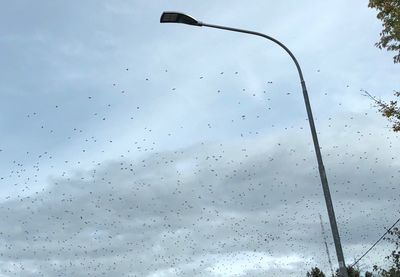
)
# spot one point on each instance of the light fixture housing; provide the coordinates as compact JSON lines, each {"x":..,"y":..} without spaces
{"x":177,"y":17}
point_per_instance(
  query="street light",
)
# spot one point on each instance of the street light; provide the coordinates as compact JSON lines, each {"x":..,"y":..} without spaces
{"x":177,"y":17}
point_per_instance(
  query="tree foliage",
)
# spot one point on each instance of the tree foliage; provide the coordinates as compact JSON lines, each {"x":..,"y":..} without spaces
{"x":315,"y":272}
{"x":351,"y":272}
{"x":389,"y":110}
{"x":389,"y":14}
{"x":394,"y":257}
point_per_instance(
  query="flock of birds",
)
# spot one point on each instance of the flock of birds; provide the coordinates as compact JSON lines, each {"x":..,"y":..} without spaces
{"x":143,"y":208}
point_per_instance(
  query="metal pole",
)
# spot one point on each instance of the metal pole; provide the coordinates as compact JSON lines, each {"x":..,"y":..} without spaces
{"x":322,"y":174}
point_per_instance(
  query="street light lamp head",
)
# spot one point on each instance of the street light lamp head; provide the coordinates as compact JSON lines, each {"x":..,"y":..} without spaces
{"x":177,"y":17}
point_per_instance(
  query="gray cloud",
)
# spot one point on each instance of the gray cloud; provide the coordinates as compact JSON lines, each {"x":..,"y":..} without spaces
{"x":170,"y":210}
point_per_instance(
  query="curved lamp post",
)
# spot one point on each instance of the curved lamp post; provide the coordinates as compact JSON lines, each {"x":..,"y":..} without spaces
{"x":177,"y":17}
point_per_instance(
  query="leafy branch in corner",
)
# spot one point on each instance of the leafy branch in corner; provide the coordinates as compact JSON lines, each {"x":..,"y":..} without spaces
{"x":389,"y":14}
{"x":389,"y":110}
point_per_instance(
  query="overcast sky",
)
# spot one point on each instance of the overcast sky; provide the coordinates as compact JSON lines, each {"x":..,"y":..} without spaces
{"x":134,"y":148}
